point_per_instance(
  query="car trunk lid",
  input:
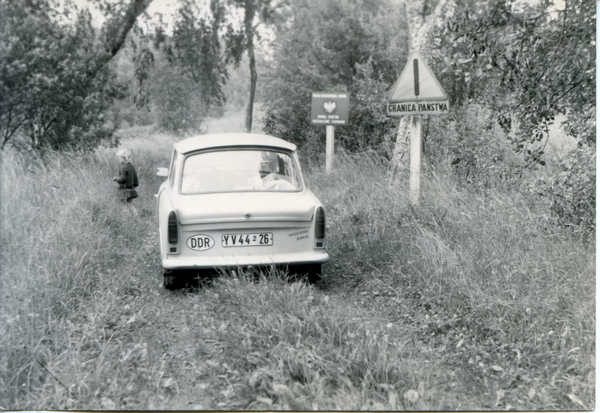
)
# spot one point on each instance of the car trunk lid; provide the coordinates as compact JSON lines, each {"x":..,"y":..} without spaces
{"x":245,"y":207}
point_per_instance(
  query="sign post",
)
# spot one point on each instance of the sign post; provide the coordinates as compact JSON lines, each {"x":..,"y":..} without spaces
{"x":415,"y":159}
{"x":417,"y":92}
{"x":330,"y":109}
{"x":329,"y":144}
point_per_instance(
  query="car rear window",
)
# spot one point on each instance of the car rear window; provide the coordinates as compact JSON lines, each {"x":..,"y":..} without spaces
{"x":239,"y":171}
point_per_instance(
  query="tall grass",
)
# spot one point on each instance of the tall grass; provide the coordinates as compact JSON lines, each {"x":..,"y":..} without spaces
{"x":64,"y":244}
{"x":488,"y":267}
{"x":471,"y":301}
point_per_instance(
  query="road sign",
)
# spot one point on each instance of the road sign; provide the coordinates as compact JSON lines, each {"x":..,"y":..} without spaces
{"x":417,"y":91}
{"x":330,"y":108}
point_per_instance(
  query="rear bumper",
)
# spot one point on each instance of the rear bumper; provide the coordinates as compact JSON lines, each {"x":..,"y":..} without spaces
{"x":176,"y":262}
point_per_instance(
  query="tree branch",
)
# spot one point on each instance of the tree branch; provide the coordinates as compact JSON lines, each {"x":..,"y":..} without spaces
{"x":566,"y":93}
{"x":9,"y":134}
{"x":133,"y":11}
{"x":131,"y":14}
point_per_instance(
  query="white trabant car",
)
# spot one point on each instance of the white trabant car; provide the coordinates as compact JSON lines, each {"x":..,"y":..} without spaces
{"x":238,"y":200}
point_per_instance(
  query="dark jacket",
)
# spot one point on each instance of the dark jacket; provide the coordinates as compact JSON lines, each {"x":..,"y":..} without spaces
{"x":127,"y":176}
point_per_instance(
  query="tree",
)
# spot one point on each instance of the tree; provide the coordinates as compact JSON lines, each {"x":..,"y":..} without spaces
{"x":55,"y":82}
{"x":512,"y":59}
{"x":355,"y":46}
{"x":528,"y":64}
{"x":195,"y":49}
{"x":242,"y":37}
{"x":179,"y":105}
{"x":181,"y":72}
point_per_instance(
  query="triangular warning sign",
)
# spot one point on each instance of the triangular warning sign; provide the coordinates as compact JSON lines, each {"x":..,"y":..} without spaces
{"x":417,"y":82}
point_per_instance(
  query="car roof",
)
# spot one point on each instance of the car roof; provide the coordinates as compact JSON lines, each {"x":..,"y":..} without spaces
{"x":220,"y":140}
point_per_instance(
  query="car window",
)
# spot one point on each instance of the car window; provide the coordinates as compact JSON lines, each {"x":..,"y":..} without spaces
{"x":239,"y":171}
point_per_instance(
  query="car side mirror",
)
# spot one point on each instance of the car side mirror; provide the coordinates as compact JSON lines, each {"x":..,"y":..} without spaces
{"x":163,"y":172}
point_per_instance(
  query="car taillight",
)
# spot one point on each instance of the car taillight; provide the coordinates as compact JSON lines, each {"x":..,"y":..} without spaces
{"x":173,"y":235}
{"x":320,"y":223}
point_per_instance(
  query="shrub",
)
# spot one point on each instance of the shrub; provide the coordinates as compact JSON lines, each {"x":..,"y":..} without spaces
{"x":475,"y":146}
{"x":571,"y":191}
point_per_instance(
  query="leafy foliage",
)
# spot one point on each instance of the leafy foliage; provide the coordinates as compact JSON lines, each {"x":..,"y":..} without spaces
{"x":572,"y":191}
{"x":475,"y":147}
{"x":180,"y":108}
{"x":181,"y":75}
{"x":196,"y":51}
{"x":55,"y":85}
{"x":511,"y":58}
{"x":370,"y":127}
{"x":338,"y":45}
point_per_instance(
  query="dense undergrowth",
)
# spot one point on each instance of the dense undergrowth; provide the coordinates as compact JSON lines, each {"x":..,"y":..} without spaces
{"x":473,"y":300}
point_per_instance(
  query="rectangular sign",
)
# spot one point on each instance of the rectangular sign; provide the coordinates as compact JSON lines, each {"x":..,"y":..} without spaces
{"x":330,"y":108}
{"x":418,"y":108}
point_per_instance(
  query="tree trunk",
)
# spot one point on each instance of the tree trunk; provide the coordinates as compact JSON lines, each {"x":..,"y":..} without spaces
{"x":132,"y":12}
{"x":124,"y":25}
{"x":250,"y":11}
{"x":253,"y":79}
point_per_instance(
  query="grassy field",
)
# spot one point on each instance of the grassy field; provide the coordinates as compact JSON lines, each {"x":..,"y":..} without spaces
{"x":468,"y":302}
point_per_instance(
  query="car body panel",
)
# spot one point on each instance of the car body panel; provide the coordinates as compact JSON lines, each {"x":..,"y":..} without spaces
{"x":222,"y":140}
{"x":285,"y":217}
{"x":256,"y":206}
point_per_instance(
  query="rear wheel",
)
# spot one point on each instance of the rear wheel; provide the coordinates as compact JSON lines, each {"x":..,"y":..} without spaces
{"x":187,"y":278}
{"x":312,"y":272}
{"x":170,"y":280}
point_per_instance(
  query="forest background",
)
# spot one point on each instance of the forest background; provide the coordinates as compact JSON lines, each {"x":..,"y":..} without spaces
{"x":501,"y":254}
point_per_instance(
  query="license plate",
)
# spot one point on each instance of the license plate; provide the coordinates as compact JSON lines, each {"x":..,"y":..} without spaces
{"x":246,"y":240}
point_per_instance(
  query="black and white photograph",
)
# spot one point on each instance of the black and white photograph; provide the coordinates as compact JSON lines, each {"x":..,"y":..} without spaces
{"x":298,"y":205}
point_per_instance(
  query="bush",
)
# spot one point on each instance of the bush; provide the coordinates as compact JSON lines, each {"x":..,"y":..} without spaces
{"x":571,"y":191}
{"x":340,"y":46}
{"x":369,"y":127}
{"x":475,"y":146}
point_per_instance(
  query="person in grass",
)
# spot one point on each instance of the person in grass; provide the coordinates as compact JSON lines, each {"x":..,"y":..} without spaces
{"x":127,"y":179}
